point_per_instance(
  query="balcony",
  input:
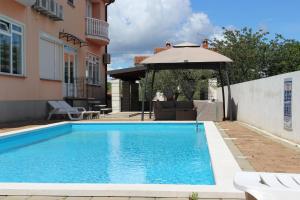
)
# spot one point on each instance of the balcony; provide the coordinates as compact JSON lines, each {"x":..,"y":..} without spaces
{"x":105,"y":1}
{"x":96,"y":30}
{"x":26,"y":2}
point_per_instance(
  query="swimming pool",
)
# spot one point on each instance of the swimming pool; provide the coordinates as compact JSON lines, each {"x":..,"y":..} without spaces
{"x":108,"y":153}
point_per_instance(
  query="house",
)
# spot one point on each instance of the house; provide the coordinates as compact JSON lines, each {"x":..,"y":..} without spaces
{"x":51,"y":50}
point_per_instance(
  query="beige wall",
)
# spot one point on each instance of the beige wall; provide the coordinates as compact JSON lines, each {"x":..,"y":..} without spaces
{"x":30,"y":87}
{"x":260,"y":104}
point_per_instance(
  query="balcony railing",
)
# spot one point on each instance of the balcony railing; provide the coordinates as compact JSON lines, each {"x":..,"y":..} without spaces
{"x":96,"y":29}
{"x":26,"y":2}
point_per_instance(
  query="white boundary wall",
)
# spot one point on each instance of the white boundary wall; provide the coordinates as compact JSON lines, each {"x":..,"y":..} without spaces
{"x":260,"y":104}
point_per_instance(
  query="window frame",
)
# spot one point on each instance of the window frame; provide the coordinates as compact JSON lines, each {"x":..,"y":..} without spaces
{"x":12,"y":23}
{"x":88,"y":61}
{"x":89,"y":9}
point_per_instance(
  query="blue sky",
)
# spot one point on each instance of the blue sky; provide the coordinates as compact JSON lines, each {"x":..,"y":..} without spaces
{"x":278,"y":16}
{"x":138,"y":26}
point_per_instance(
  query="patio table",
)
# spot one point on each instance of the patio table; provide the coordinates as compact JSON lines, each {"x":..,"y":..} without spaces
{"x":101,"y":108}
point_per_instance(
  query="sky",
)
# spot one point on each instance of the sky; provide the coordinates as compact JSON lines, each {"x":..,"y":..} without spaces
{"x":138,"y":26}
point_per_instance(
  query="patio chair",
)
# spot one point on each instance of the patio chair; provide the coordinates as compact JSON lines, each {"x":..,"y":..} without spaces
{"x":268,"y":186}
{"x":74,"y":113}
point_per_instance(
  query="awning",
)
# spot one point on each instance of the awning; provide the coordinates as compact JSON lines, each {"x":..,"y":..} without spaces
{"x":128,"y":74}
{"x":72,"y":38}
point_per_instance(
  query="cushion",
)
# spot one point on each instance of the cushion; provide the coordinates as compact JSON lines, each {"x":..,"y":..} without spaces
{"x":184,"y":105}
{"x":167,"y":104}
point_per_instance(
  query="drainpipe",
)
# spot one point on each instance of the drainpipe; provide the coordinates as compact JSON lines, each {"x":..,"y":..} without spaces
{"x":106,"y":51}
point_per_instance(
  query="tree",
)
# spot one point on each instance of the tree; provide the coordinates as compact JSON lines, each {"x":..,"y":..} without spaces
{"x":248,"y":51}
{"x":284,"y":56}
{"x":256,"y":56}
{"x":175,"y":83}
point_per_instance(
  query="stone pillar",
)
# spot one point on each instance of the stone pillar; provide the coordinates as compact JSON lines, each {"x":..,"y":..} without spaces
{"x":116,"y":95}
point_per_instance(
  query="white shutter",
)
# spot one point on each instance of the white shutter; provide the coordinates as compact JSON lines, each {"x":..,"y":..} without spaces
{"x":58,"y":62}
{"x":46,"y":58}
{"x":51,"y":59}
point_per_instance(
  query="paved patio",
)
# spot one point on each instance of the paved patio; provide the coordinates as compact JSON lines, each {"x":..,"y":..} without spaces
{"x":5,"y":127}
{"x":122,"y":116}
{"x":262,"y":152}
{"x":92,"y":198}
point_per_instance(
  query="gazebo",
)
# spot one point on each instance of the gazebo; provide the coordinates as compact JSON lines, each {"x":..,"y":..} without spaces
{"x":187,"y":56}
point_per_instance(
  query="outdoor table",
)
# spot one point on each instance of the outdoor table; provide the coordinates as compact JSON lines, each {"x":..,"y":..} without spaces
{"x":101,"y":108}
{"x":105,"y":109}
{"x":92,"y":104}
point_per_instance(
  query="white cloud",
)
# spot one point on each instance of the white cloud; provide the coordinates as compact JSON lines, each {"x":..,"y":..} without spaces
{"x":122,"y":61}
{"x":138,"y":26}
{"x":196,"y":28}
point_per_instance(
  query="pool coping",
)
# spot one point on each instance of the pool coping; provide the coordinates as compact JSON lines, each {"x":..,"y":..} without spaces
{"x":223,"y":163}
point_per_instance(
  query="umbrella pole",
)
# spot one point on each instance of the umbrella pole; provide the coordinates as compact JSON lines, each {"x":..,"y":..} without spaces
{"x":151,"y":91}
{"x":229,"y":93}
{"x":223,"y":94}
{"x":144,"y":95}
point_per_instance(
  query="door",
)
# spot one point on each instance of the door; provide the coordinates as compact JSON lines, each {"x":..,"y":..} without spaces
{"x":70,"y":72}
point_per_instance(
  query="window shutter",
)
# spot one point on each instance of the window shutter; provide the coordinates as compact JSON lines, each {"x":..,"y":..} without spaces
{"x":51,"y":60}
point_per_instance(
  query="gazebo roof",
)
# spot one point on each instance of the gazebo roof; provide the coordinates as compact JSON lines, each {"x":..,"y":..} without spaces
{"x":186,"y":53}
{"x":186,"y":44}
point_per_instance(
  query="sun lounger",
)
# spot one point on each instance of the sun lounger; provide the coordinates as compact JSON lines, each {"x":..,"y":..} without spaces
{"x":268,"y":186}
{"x":74,"y":113}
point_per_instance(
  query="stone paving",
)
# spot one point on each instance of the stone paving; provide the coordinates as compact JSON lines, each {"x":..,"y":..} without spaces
{"x":92,"y":198}
{"x":22,"y":125}
{"x":134,"y":116}
{"x":264,"y":153}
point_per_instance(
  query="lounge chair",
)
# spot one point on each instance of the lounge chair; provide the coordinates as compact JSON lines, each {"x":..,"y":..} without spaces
{"x":268,"y":186}
{"x":74,"y":113}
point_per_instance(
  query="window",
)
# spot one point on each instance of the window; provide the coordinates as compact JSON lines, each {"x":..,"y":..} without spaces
{"x":11,"y":48}
{"x":89,"y":8}
{"x":51,"y":58}
{"x":93,"y":69}
{"x":71,"y":2}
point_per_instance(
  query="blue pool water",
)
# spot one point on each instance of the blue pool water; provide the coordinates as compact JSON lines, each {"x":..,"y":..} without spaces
{"x":108,"y":153}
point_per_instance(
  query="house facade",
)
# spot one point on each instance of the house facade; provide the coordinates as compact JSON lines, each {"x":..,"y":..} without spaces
{"x":51,"y":50}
